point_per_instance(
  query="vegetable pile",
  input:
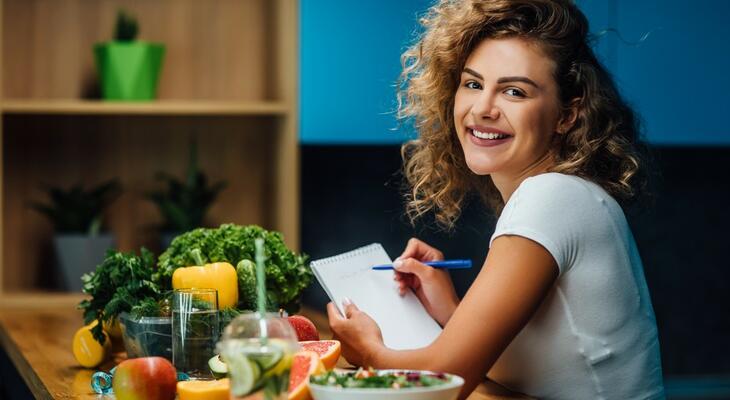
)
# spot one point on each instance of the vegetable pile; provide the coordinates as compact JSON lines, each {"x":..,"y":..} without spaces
{"x":127,"y":282}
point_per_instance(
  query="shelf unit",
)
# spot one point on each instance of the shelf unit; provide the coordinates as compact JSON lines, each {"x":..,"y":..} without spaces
{"x":229,"y":80}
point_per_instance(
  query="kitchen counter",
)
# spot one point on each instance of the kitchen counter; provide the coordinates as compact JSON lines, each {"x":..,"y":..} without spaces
{"x":36,"y":331}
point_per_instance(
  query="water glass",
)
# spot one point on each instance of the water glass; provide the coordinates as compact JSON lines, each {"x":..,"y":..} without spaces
{"x":195,"y":330}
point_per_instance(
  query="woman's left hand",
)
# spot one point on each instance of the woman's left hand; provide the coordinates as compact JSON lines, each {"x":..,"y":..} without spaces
{"x":359,"y":335}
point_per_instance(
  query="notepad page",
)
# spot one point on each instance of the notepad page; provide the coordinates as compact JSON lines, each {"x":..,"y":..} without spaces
{"x":403,"y":321}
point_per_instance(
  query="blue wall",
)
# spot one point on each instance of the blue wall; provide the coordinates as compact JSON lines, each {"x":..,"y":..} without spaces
{"x":350,"y":61}
{"x":677,"y":78}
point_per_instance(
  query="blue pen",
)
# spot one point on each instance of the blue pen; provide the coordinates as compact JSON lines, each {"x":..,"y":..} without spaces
{"x":448,"y":264}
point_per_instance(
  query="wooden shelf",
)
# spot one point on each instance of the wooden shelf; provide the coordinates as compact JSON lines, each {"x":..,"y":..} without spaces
{"x":212,"y":89}
{"x":162,"y":107}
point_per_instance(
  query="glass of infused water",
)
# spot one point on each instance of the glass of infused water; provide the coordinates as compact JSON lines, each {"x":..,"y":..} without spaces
{"x":195,"y":330}
{"x":257,"y":351}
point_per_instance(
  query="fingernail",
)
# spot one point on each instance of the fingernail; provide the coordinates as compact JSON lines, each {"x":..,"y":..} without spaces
{"x":346,"y":301}
{"x":397,"y":263}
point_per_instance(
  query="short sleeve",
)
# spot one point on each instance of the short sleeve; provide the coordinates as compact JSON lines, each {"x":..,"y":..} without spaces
{"x":553,"y":210}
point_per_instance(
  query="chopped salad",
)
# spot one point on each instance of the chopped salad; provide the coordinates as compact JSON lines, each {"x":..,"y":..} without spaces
{"x":372,"y":379}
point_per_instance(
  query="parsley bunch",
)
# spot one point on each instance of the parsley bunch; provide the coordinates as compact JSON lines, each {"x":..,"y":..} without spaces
{"x":120,"y":283}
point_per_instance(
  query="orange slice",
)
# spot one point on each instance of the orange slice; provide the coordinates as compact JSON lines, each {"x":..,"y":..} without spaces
{"x":204,"y":390}
{"x":305,"y":363}
{"x":328,"y":351}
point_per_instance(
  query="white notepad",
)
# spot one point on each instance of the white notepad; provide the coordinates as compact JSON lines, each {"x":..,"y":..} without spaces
{"x":404,"y":322}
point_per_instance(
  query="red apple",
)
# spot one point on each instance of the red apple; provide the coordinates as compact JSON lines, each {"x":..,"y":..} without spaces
{"x":146,"y":378}
{"x":304,"y":327}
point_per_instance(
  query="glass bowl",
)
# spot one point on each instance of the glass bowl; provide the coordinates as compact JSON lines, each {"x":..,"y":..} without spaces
{"x":146,"y":336}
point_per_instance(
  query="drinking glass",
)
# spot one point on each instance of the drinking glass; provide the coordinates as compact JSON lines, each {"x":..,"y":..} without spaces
{"x":195,"y":330}
{"x":258,"y":351}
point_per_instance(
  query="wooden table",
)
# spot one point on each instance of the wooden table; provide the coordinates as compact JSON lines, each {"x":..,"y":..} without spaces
{"x":36,"y":332}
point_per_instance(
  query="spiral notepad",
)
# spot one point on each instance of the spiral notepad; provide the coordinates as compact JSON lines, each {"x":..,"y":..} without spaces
{"x":403,"y":320}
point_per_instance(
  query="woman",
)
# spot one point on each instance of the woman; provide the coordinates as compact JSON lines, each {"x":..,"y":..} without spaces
{"x":511,"y":103}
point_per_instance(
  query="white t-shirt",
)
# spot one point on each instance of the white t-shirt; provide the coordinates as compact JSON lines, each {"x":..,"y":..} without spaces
{"x":594,"y":336}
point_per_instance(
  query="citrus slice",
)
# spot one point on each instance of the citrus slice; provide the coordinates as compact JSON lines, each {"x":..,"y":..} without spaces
{"x":328,"y":351}
{"x":209,"y":390}
{"x":304,"y":364}
{"x":244,"y":374}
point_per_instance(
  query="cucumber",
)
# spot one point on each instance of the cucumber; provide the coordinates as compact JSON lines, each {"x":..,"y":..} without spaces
{"x":244,"y":374}
{"x":267,"y":360}
{"x":218,"y":367}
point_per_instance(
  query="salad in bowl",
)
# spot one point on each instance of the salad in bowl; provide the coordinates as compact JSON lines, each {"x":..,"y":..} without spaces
{"x":400,"y":384}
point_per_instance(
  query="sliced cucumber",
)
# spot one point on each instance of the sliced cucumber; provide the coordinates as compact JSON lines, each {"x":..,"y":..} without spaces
{"x":218,"y":367}
{"x":243,"y":373}
{"x":268,"y":360}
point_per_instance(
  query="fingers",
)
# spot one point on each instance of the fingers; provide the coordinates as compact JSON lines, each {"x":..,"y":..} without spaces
{"x":421,"y":251}
{"x":333,"y":314}
{"x":411,"y":266}
{"x":349,"y":307}
{"x":405,"y":281}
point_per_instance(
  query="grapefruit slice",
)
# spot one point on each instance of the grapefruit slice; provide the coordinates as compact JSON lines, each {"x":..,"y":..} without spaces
{"x":305,"y":363}
{"x":328,"y":351}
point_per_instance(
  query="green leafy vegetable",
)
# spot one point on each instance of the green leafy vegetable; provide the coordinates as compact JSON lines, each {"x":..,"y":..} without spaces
{"x":287,"y":274}
{"x":120,"y":283}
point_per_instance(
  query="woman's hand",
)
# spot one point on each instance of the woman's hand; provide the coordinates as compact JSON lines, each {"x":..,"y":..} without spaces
{"x":359,"y":335}
{"x":432,"y":286}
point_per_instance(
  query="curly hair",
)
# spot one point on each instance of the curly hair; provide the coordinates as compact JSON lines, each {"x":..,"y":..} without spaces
{"x":601,"y":146}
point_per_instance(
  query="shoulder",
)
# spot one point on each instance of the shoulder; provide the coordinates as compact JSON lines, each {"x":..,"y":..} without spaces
{"x":556,"y":187}
{"x":559,"y":194}
{"x":558,"y":211}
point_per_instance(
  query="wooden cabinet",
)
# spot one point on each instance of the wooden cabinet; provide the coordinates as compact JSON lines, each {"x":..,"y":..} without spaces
{"x":229,"y":80}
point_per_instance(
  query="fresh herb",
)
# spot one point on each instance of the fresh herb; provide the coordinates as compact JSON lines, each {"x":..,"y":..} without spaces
{"x":372,"y":379}
{"x":287,"y":273}
{"x":151,"y":307}
{"x":121,"y":283}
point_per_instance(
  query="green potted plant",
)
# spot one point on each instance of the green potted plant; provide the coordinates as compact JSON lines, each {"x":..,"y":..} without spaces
{"x":183,"y":204}
{"x":76,"y":215}
{"x":128,"y":69}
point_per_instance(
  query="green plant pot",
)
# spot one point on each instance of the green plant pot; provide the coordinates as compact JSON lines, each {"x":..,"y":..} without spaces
{"x":129,"y":70}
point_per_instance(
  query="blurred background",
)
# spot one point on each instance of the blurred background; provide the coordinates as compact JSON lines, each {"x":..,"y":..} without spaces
{"x":282,"y":114}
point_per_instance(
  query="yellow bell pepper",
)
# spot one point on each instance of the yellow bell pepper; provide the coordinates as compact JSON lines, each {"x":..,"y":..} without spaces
{"x":220,"y":276}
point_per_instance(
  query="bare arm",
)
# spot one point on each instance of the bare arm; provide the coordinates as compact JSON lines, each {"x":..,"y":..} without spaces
{"x":516,"y":277}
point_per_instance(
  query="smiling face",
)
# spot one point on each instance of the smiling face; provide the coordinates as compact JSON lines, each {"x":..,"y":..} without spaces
{"x":506,"y":109}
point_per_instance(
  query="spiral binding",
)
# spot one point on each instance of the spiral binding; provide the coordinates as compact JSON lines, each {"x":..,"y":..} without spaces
{"x":350,"y":254}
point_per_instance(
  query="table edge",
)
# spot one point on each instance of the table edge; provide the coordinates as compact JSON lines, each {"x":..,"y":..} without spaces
{"x":25,"y":370}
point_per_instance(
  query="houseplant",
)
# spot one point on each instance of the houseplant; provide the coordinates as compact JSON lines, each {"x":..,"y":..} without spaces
{"x":76,"y":215}
{"x":183,"y":204}
{"x":128,"y":69}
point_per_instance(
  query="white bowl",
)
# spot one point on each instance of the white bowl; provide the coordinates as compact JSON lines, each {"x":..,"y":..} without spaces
{"x":447,"y":391}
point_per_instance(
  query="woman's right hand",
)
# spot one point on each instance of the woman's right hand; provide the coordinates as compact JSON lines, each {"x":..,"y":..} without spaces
{"x":432,"y":286}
